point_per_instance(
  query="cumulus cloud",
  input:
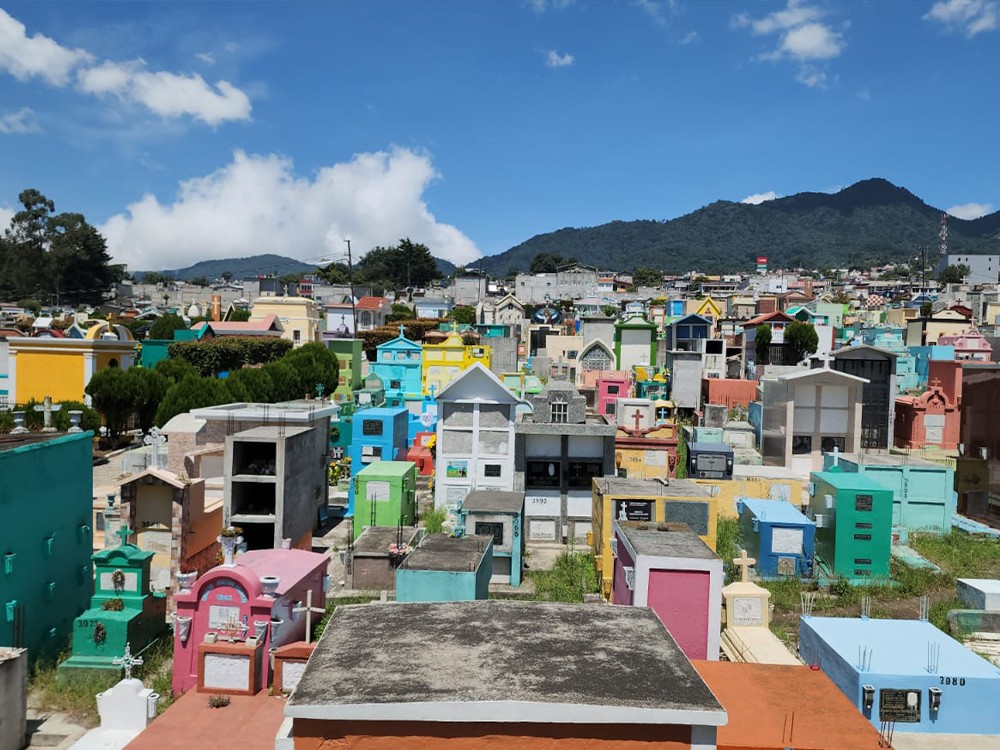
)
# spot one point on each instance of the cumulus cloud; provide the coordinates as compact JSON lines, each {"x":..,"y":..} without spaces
{"x":969,"y":16}
{"x":206,"y":57}
{"x":658,"y":10}
{"x":969,"y":210}
{"x":164,"y":93}
{"x":167,"y":94}
{"x":19,"y":122}
{"x":554,"y":60}
{"x":757,"y":198}
{"x":257,"y":204}
{"x":803,"y":37}
{"x":6,"y":214}
{"x":35,"y":56}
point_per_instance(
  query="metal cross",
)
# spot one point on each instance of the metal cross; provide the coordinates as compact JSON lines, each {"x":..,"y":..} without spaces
{"x":319,"y":389}
{"x":127,"y":661}
{"x":743,"y":562}
{"x":124,"y":532}
{"x":154,"y":440}
{"x":47,"y":407}
{"x":309,"y":609}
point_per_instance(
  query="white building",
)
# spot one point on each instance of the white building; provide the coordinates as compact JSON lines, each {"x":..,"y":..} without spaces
{"x":983,"y":269}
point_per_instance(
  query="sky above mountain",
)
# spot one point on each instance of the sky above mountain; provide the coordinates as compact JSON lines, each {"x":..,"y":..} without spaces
{"x":188,"y":131}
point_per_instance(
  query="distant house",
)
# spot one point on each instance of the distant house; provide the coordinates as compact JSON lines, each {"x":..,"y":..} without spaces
{"x":432,"y":307}
{"x":372,"y":312}
{"x":268,"y":326}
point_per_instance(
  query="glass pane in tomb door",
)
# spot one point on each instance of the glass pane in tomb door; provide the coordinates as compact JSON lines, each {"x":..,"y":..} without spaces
{"x":154,"y":520}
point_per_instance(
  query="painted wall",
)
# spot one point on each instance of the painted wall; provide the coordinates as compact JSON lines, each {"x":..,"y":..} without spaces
{"x":312,"y":734}
{"x":445,"y":585}
{"x":680,"y":599}
{"x":46,"y":494}
{"x":59,"y":375}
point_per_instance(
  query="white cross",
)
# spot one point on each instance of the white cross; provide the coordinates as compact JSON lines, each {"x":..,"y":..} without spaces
{"x":836,"y":456}
{"x":309,"y":609}
{"x":47,"y":407}
{"x":743,"y":562}
{"x":127,"y":661}
{"x":154,"y":440}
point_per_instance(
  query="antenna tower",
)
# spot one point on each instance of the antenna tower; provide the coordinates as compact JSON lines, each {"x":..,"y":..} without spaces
{"x":943,"y":235}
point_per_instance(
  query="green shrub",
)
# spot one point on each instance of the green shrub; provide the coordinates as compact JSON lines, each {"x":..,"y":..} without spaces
{"x":433,"y":520}
{"x":572,"y":576}
{"x":210,"y":357}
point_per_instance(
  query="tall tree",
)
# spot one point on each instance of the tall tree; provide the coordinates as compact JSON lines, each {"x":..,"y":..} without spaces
{"x":802,"y":339}
{"x":406,"y":264}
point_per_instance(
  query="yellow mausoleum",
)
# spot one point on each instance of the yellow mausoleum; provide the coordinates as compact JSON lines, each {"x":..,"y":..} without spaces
{"x":442,"y":363}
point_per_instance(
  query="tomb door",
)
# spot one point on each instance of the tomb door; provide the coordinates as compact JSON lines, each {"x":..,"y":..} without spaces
{"x":154,"y":527}
{"x":680,"y":599}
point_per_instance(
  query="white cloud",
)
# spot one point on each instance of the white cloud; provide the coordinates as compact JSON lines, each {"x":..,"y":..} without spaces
{"x":540,"y":6}
{"x":811,"y":77}
{"x":20,"y":122}
{"x":258,"y":204}
{"x":813,"y":41}
{"x":166,"y":94}
{"x":757,"y":198}
{"x":554,"y":60}
{"x":969,"y":210}
{"x":692,"y":37}
{"x":802,"y":37}
{"x":206,"y":57}
{"x":658,"y":10}
{"x":6,"y":214}
{"x":970,"y":16}
{"x":38,"y":56}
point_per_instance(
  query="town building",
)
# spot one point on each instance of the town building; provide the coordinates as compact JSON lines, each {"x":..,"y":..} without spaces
{"x":878,"y":368}
{"x":983,"y":269}
{"x":372,"y":312}
{"x":298,"y":317}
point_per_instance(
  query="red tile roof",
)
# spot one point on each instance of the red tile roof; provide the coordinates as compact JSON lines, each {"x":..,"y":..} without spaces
{"x":371,"y":303}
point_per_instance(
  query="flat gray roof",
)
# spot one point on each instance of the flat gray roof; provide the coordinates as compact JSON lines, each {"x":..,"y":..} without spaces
{"x":494,"y":501}
{"x":887,"y":459}
{"x":375,"y":540}
{"x":270,"y":432}
{"x":665,"y":540}
{"x":597,"y":426}
{"x":501,"y":661}
{"x":449,"y":553}
{"x":650,"y":487}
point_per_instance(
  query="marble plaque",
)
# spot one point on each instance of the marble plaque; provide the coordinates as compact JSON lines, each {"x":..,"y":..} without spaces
{"x":542,"y":531}
{"x":933,"y":428}
{"x":229,"y":671}
{"x":747,"y":611}
{"x":786,"y":541}
{"x":220,"y":616}
{"x":131,"y":581}
{"x":291,"y":673}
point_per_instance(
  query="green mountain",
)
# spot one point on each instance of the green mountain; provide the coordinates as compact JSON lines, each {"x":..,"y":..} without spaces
{"x":255,"y":265}
{"x":870,"y":221}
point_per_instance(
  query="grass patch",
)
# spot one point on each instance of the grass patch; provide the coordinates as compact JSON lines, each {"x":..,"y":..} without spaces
{"x":433,"y":520}
{"x":331,"y":606}
{"x":727,"y":544}
{"x":572,"y":576}
{"x":75,"y":693}
{"x":939,"y":612}
{"x":959,"y":554}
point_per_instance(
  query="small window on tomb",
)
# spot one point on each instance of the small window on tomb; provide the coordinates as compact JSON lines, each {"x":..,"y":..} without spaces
{"x":863,"y":503}
{"x":609,"y":410}
{"x":829,"y":443}
{"x":802,"y":444}
{"x":395,"y":384}
{"x":612,"y":390}
{"x":560,"y":412}
{"x":371,"y":427}
{"x":492,"y":471}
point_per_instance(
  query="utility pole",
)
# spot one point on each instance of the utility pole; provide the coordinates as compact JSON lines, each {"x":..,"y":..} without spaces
{"x":350,"y":281}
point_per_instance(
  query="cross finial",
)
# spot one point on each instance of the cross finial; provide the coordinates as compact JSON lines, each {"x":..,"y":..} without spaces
{"x":126,"y":661}
{"x":309,"y":609}
{"x":836,"y":455}
{"x":637,"y":416}
{"x":124,"y":532}
{"x":743,"y":562}
{"x":47,"y":407}
{"x":320,"y":388}
{"x":154,"y":440}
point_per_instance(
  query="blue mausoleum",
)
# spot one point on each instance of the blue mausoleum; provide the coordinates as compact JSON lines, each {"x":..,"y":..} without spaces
{"x":779,"y":536}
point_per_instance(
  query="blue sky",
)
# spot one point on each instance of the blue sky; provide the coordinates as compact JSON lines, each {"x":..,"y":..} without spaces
{"x":194,"y":130}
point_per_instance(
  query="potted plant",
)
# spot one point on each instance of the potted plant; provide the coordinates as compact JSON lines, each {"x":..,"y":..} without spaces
{"x":113,"y":605}
{"x":398,"y":553}
{"x":186,"y":578}
{"x":230,"y":538}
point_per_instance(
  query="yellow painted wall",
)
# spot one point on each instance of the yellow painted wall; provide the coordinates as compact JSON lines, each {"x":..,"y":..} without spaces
{"x":104,"y":359}
{"x":601,"y":521}
{"x":727,"y":490}
{"x":442,"y":363}
{"x":55,"y":374}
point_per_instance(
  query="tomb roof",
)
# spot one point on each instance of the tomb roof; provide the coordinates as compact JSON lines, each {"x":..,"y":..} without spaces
{"x":887,"y":459}
{"x":386,"y":469}
{"x":850,"y":480}
{"x":987,"y":585}
{"x":375,"y":540}
{"x":664,"y":540}
{"x":271,"y":432}
{"x":299,"y":410}
{"x":761,"y":698}
{"x":442,"y":552}
{"x":774,"y":511}
{"x":545,"y":662}
{"x":290,"y":565}
{"x":650,"y":487}
{"x":898,"y":647}
{"x":494,"y":500}
{"x":706,"y":447}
